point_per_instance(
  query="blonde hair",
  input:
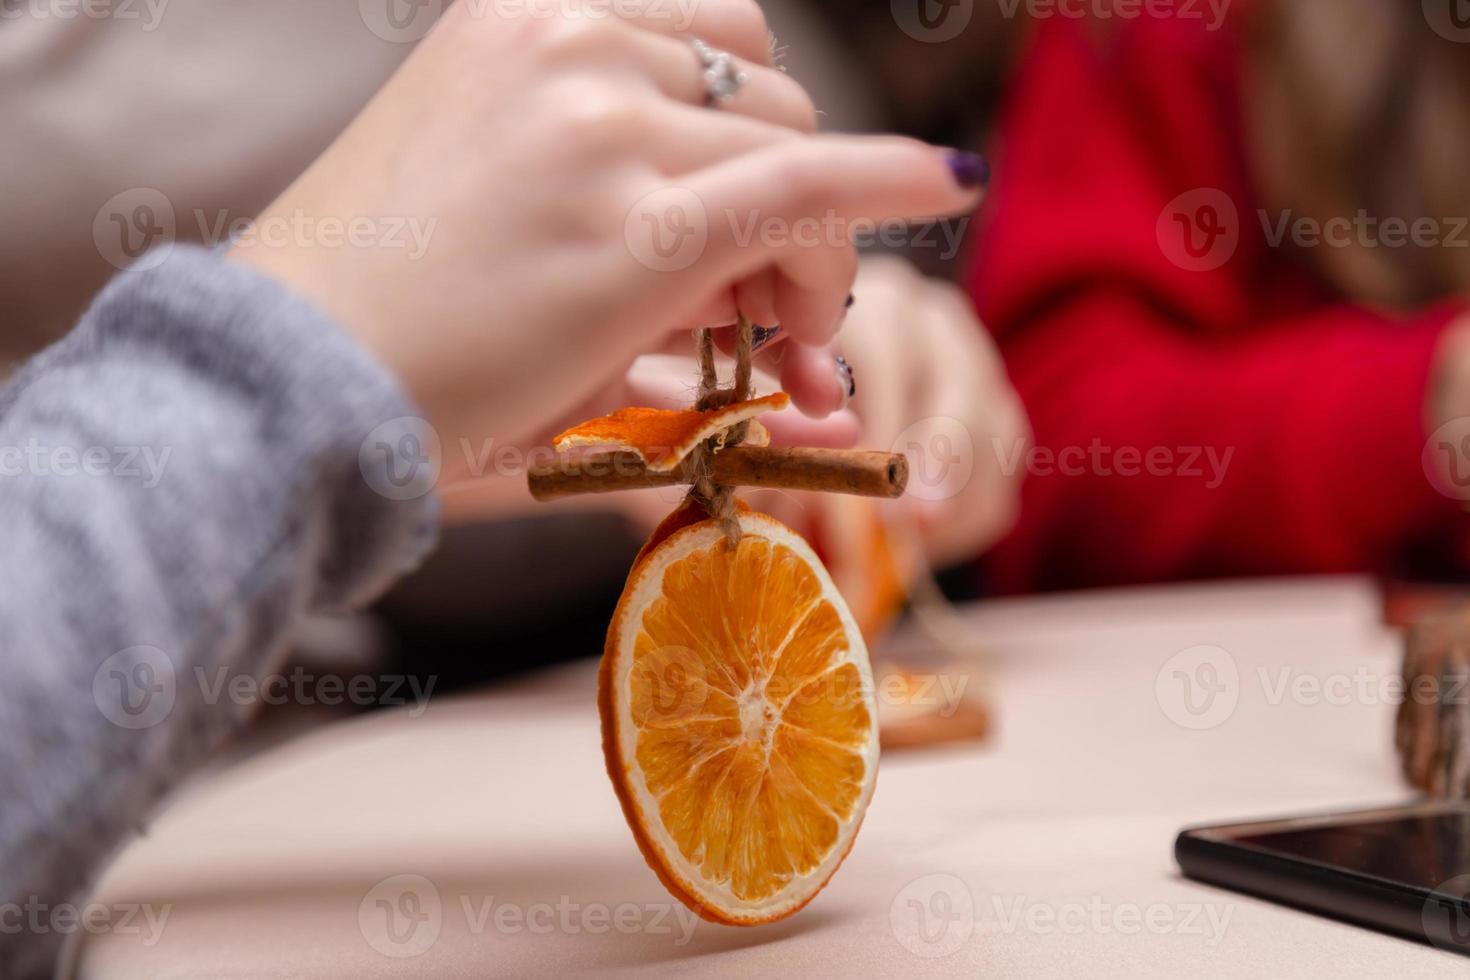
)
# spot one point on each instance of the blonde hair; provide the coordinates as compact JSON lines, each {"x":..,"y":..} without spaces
{"x":1361,"y":105}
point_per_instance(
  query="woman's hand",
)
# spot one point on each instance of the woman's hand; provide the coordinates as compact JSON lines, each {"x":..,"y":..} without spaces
{"x":581,"y":204}
{"x":931,"y":384}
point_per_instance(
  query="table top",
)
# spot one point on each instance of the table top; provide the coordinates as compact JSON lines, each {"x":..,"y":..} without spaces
{"x":480,"y":837}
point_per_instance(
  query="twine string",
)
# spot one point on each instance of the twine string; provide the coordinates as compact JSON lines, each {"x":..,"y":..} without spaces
{"x":716,"y":498}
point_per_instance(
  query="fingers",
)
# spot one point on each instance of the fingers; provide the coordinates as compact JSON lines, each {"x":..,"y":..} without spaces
{"x":818,"y":379}
{"x":692,"y":139}
{"x":954,"y":374}
{"x":765,"y":93}
{"x":756,"y":298}
{"x":877,"y":338}
{"x":736,"y":26}
{"x":664,"y":381}
{"x":660,"y":381}
{"x":857,"y":177}
{"x":818,"y":193}
{"x":812,"y":289}
{"x":789,"y":427}
{"x":815,"y":379}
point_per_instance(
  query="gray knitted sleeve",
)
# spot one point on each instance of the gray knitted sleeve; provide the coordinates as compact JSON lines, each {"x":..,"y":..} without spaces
{"x":200,"y":462}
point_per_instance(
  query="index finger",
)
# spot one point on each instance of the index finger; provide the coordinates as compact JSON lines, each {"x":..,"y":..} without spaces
{"x":843,"y":184}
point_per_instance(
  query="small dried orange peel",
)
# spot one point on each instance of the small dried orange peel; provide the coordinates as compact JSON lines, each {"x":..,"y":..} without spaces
{"x":663,"y":437}
{"x":738,"y":718}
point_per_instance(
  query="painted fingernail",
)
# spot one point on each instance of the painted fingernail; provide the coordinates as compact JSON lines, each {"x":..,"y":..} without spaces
{"x":845,"y":377}
{"x":970,"y":170}
{"x":761,"y":336}
{"x":851,"y":299}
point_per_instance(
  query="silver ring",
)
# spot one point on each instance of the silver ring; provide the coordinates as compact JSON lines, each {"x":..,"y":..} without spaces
{"x":722,"y":79}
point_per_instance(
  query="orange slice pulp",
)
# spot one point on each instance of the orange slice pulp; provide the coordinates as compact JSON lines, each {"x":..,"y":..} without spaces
{"x":738,"y":717}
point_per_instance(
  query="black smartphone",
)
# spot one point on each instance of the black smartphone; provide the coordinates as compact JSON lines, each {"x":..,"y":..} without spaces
{"x":1403,"y":870}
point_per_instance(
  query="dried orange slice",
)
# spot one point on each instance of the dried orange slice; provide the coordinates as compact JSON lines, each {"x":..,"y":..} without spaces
{"x":663,"y":437}
{"x":738,"y":717}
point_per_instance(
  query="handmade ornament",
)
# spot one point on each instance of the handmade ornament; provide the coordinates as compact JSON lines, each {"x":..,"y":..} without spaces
{"x":738,"y":713}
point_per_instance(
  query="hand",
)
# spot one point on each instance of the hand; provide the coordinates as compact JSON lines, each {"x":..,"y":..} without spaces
{"x":531,"y":143}
{"x":918,"y":353}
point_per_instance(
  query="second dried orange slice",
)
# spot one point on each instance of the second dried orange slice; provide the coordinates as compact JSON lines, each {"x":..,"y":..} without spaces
{"x":738,"y":718}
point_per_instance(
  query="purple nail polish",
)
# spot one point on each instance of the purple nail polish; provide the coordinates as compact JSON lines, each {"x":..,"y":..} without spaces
{"x":761,"y":336}
{"x":845,"y":376}
{"x":970,"y":170}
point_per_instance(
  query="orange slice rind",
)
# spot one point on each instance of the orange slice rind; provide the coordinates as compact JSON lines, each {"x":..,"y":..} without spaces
{"x":739,"y":724}
{"x":663,"y":437}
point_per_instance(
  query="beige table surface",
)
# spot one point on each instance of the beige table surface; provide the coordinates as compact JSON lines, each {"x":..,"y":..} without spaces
{"x":487,"y":827}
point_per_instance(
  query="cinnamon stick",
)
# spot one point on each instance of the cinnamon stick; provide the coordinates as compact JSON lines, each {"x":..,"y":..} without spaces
{"x":865,"y":474}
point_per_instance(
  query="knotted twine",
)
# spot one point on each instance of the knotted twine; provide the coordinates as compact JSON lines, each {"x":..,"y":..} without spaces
{"x":718,"y":499}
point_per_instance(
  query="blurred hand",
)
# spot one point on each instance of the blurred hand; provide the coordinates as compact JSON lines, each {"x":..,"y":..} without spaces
{"x":925,"y":367}
{"x":548,"y":149}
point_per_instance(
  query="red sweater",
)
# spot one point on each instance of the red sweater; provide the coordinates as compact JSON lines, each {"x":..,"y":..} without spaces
{"x":1190,"y":421}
